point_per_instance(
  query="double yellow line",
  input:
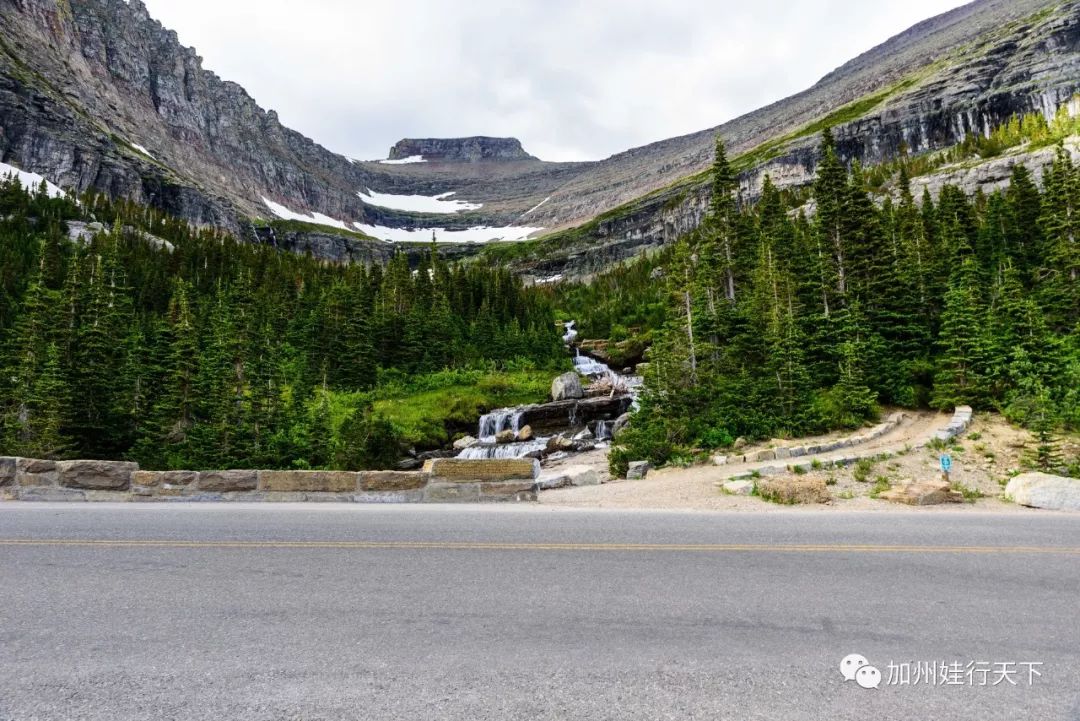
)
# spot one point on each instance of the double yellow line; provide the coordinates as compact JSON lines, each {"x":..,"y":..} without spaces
{"x":500,"y":546}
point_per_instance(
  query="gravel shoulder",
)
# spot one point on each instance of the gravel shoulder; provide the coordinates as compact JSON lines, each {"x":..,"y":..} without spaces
{"x":987,"y":455}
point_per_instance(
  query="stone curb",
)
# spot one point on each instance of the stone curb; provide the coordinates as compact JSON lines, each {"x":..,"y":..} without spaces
{"x":472,"y":481}
{"x":959,"y":423}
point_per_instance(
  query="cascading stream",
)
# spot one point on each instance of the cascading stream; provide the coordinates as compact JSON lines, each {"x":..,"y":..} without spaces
{"x":510,"y":419}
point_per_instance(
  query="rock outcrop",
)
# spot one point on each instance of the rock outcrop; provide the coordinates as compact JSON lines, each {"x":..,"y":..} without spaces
{"x":97,"y":94}
{"x":469,"y":150}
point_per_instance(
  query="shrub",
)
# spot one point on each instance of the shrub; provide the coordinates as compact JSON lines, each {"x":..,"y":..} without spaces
{"x":862,"y":470}
{"x":792,"y":491}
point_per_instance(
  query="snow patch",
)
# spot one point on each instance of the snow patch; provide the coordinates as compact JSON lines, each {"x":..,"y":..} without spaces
{"x":479,"y":234}
{"x":143,"y":150}
{"x":405,"y":161}
{"x":418,"y":203}
{"x":317,"y":218}
{"x":30,"y":181}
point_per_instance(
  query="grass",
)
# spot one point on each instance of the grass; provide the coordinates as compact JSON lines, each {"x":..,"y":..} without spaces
{"x":863,"y":468}
{"x":970,"y":494}
{"x":881,"y":485}
{"x":431,"y":410}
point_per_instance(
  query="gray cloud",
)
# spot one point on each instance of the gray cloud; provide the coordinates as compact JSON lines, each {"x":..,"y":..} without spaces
{"x":572,"y":79}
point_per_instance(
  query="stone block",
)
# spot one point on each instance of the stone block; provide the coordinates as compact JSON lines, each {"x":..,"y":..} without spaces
{"x":228,"y":481}
{"x":767,"y":455}
{"x":797,"y":451}
{"x":637,"y":470}
{"x":739,"y":488}
{"x":454,"y":492}
{"x":783,"y":454}
{"x":307,"y":481}
{"x":467,"y":470}
{"x":923,"y":493}
{"x":719,"y":460}
{"x":147,"y":479}
{"x":7,"y":470}
{"x":96,"y":475}
{"x":51,"y":494}
{"x":35,"y":472}
{"x":415,"y":496}
{"x":508,"y":491}
{"x":393,"y":480}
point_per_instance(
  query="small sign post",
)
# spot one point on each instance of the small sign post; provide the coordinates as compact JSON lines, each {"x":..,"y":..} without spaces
{"x":946,"y":466}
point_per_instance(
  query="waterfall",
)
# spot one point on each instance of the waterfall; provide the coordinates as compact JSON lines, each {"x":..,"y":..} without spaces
{"x":571,"y":332}
{"x":504,"y":419}
{"x":503,"y":450}
{"x":586,"y":366}
{"x":603,"y":430}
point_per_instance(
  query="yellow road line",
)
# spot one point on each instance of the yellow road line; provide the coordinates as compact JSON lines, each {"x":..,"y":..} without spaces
{"x":498,"y":546}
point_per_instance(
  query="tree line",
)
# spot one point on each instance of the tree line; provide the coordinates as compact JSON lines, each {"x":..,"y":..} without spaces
{"x":785,"y":319}
{"x":216,"y":353}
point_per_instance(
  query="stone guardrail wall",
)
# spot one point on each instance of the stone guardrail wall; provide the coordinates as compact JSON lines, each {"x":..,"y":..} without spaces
{"x":443,"y":480}
{"x":959,"y":423}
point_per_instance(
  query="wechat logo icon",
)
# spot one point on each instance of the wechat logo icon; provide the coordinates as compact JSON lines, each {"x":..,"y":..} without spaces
{"x":856,"y":668}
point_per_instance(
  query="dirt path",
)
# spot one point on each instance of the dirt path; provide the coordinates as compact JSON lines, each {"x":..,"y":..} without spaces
{"x":695,"y":487}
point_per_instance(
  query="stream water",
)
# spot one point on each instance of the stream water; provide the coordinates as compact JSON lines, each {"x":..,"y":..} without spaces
{"x":510,"y":419}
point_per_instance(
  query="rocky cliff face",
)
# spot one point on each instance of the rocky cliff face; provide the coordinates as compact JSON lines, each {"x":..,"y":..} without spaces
{"x":469,"y":150}
{"x":96,"y":94}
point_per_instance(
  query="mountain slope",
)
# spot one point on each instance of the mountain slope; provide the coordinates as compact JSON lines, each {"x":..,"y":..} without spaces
{"x":96,"y":94}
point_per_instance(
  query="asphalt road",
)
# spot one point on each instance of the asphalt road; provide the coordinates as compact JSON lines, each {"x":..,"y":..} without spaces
{"x":231,"y":612}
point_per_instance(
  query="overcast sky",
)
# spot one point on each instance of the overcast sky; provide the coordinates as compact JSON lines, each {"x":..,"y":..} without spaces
{"x":573,"y":80}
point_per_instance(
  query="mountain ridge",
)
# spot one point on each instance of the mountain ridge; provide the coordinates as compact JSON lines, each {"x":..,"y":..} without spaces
{"x":98,"y":94}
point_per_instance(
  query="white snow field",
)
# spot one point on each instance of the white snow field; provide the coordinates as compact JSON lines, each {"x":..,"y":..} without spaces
{"x":30,"y":181}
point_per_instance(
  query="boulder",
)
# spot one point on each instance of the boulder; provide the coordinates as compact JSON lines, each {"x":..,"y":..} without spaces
{"x":621,"y":422}
{"x":525,"y":434}
{"x":637,"y":470}
{"x":582,"y":476}
{"x":467,"y":442}
{"x":228,"y":481}
{"x":410,"y":464}
{"x":794,"y":490}
{"x":739,"y":488}
{"x":739,"y":444}
{"x":96,"y":475}
{"x":567,"y":387}
{"x":559,"y":443}
{"x":922,"y":493}
{"x":1043,"y":490}
{"x":764,"y":456}
{"x":552,"y":479}
{"x":719,"y":460}
{"x":585,"y":435}
{"x":507,"y":436}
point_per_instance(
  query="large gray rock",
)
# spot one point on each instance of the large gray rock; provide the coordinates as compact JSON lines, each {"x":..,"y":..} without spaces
{"x":1042,"y":490}
{"x":637,"y":470}
{"x":96,"y":475}
{"x":567,"y":387}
